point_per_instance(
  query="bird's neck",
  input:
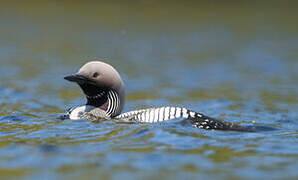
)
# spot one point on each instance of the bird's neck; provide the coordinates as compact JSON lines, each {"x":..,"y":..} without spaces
{"x":98,"y":99}
{"x":107,"y":100}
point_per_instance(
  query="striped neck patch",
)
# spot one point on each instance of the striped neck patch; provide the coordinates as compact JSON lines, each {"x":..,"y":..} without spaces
{"x":113,"y":103}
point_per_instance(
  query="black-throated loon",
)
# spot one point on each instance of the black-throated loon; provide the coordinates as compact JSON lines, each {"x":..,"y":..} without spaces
{"x":105,"y":93}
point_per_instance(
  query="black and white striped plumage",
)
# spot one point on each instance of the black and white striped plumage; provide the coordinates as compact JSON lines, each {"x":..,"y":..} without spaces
{"x":105,"y":95}
{"x":161,"y":114}
{"x":113,"y":103}
{"x":153,"y":115}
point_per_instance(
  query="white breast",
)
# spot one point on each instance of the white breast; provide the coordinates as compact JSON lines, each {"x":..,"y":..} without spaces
{"x":77,"y":112}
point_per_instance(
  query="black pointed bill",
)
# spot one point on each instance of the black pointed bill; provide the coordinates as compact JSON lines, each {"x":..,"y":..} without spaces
{"x":77,"y":78}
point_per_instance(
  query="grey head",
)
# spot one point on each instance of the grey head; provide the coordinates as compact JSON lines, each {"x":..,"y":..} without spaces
{"x":102,"y":86}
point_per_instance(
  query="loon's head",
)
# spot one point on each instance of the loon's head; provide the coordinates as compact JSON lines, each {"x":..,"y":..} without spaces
{"x":102,"y":86}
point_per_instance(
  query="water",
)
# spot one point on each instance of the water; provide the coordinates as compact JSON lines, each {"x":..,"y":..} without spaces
{"x":234,"y":61}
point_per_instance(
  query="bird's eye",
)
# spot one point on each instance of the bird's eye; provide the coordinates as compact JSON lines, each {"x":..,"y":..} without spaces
{"x":95,"y":75}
